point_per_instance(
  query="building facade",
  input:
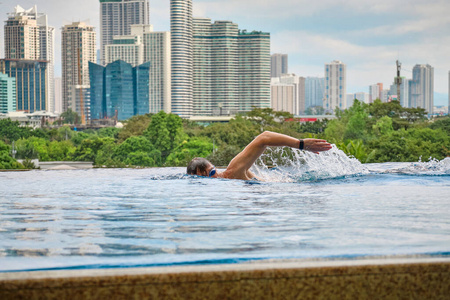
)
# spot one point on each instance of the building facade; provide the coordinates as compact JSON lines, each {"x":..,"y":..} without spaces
{"x":314,"y":91}
{"x":375,"y":92}
{"x":335,"y":86}
{"x":278,"y":64}
{"x":360,"y":96}
{"x":117,"y":16}
{"x":404,"y":92}
{"x":7,"y":94}
{"x":78,"y":48}
{"x":421,"y":88}
{"x":146,"y":45}
{"x":31,"y":82}
{"x":58,"y":95}
{"x":181,"y":30}
{"x":118,"y":90}
{"x":28,"y":36}
{"x":254,"y":70}
{"x":231,"y":68}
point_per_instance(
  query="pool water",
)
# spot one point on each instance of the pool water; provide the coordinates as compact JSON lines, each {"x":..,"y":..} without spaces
{"x":309,"y":206}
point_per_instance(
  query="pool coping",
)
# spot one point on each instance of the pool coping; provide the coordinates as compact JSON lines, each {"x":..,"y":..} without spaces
{"x":367,"y":278}
{"x":245,"y":266}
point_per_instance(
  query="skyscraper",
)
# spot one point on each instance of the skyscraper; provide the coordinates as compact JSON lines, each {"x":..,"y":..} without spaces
{"x":31,"y":82}
{"x":231,"y":68}
{"x":404,"y":92}
{"x":7,"y":94}
{"x":146,"y":45}
{"x":278,"y":64}
{"x":78,"y":48}
{"x":182,"y":57}
{"x":314,"y":91}
{"x":254,"y":70}
{"x":28,"y":36}
{"x":375,"y":92}
{"x":421,"y":93}
{"x":117,"y":16}
{"x":120,"y":88}
{"x":335,"y":86}
{"x":288,"y":93}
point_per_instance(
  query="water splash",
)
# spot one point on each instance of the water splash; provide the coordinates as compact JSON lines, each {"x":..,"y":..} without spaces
{"x":432,"y":167}
{"x":292,"y":165}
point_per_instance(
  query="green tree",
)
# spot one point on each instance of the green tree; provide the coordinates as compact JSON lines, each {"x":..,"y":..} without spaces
{"x":136,"y":149}
{"x":186,"y":151}
{"x":88,"y":149}
{"x":135,"y":126}
{"x":11,"y":131}
{"x":70,"y":117}
{"x":6,"y":161}
{"x":165,"y":132}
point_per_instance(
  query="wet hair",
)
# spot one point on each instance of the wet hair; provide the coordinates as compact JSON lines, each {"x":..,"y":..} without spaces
{"x":197,"y":165}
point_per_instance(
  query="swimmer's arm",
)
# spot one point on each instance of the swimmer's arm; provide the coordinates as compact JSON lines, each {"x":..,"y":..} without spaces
{"x":244,"y":160}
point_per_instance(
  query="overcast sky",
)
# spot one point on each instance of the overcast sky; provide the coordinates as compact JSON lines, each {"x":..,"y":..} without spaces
{"x":368,"y":36}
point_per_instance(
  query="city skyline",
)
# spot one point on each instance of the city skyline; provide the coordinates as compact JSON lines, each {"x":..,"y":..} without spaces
{"x":386,"y":30}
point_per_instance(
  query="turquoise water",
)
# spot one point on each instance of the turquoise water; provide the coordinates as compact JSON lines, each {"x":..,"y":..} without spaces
{"x":310,"y":206}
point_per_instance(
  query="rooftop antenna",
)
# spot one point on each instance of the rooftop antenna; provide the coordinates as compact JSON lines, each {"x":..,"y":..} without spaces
{"x":398,"y":79}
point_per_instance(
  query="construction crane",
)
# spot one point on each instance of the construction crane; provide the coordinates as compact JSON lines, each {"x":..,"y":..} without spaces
{"x":83,"y":118}
{"x":398,"y":80}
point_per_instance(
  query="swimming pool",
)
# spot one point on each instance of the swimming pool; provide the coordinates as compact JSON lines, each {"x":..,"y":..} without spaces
{"x":311,"y":206}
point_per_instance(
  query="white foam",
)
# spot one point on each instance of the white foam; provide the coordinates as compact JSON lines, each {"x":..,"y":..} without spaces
{"x":291,"y":165}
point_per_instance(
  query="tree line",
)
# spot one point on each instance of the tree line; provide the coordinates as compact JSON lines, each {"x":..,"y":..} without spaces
{"x":376,"y":132}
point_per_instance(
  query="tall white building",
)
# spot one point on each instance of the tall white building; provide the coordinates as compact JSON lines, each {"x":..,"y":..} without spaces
{"x":78,"y":48}
{"x":143,"y":45}
{"x":117,"y":16}
{"x":288,"y":94}
{"x":28,"y":36}
{"x":335,"y":86}
{"x":58,"y":95}
{"x":181,"y":30}
{"x":314,"y":91}
{"x":404,"y":92}
{"x":375,"y":92}
{"x":360,"y":96}
{"x":278,"y":64}
{"x":128,"y":48}
{"x":421,"y":92}
{"x":231,"y":68}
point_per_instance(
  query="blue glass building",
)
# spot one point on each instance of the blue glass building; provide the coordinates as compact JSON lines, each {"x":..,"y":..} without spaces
{"x":31,"y":82}
{"x":120,"y":88}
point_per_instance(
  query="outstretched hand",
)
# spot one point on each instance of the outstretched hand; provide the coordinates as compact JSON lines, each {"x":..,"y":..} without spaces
{"x":316,"y":145}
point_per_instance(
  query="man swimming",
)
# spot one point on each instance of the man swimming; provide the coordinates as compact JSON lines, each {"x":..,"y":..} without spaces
{"x":239,"y":166}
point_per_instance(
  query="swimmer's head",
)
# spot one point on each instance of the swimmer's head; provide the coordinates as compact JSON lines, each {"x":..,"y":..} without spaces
{"x":199,"y":166}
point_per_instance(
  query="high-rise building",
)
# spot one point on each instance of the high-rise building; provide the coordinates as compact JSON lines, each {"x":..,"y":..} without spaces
{"x":117,"y":16}
{"x":375,"y":92}
{"x":421,"y":92}
{"x":31,"y":82}
{"x":7,"y":94}
{"x":335,"y":86}
{"x":254,"y":70}
{"x":360,"y":96}
{"x":128,"y":48}
{"x":278,"y":64}
{"x":78,"y":48}
{"x":181,"y":28}
{"x":314,"y":91}
{"x":28,"y":36}
{"x":404,"y":92}
{"x":231,"y":68}
{"x":288,"y":94}
{"x":146,"y":45}
{"x":118,"y":89}
{"x":58,"y":95}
